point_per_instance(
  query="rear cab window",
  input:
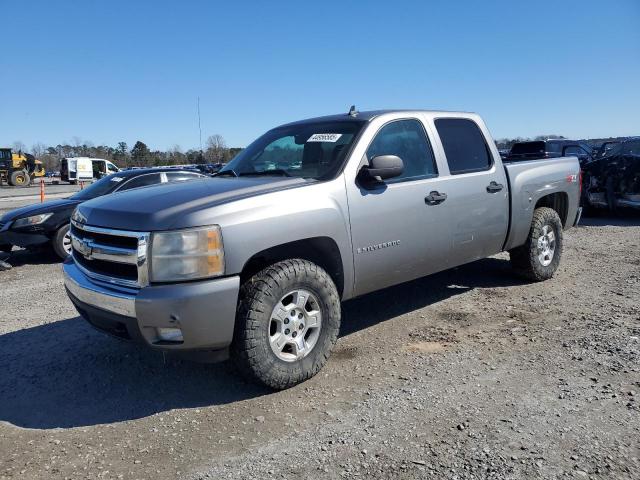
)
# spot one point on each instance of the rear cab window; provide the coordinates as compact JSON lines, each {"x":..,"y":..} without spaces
{"x":464,"y":145}
{"x":142,"y":181}
{"x":182,"y":176}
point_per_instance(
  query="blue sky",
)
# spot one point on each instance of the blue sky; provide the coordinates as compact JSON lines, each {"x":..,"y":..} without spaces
{"x":106,"y":71}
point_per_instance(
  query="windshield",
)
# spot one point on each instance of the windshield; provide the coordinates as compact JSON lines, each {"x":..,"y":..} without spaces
{"x":307,"y":150}
{"x":103,"y":186}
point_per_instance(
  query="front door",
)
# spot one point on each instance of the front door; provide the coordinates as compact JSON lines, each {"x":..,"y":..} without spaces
{"x":397,"y":235}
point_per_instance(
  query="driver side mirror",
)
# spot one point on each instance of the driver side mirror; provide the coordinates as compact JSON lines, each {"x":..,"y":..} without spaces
{"x":383,"y":167}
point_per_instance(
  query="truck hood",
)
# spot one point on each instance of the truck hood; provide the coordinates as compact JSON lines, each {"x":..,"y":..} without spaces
{"x":38,"y":208}
{"x":167,"y":207}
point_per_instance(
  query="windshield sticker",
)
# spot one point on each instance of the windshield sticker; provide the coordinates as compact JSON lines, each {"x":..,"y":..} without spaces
{"x":117,"y":179}
{"x":324,"y":137}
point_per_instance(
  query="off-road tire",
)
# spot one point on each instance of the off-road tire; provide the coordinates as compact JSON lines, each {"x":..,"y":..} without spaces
{"x":250,"y":349}
{"x":524,"y":259}
{"x":20,"y":179}
{"x":57,"y":242}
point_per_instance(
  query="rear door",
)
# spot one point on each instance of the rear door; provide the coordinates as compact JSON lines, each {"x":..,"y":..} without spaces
{"x":397,"y":236}
{"x":477,"y":190}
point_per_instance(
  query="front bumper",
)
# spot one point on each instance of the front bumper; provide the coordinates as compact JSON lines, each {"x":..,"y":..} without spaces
{"x":204,"y":311}
{"x":23,"y":239}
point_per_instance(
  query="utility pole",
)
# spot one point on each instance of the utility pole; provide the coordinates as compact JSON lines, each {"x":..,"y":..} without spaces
{"x":199,"y":127}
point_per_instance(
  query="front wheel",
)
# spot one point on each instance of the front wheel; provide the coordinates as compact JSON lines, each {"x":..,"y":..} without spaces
{"x":62,"y":242}
{"x":539,"y":257}
{"x":287,"y":323}
{"x":20,"y":178}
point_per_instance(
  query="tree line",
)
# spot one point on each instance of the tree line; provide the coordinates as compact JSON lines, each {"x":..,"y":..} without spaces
{"x":216,"y":151}
{"x":140,"y":155}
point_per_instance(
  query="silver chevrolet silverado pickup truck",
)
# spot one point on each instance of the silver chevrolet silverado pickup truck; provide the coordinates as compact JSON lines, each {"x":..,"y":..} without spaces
{"x":255,"y":262}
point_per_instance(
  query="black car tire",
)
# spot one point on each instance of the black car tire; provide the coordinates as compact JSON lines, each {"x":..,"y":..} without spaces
{"x":251,"y":348}
{"x":60,"y":240}
{"x":525,"y":260}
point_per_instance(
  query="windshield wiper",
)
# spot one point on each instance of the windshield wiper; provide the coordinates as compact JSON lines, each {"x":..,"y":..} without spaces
{"x":276,"y":171}
{"x":222,"y":173}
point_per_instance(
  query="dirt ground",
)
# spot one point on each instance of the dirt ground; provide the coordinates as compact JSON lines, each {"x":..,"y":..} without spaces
{"x":470,"y":373}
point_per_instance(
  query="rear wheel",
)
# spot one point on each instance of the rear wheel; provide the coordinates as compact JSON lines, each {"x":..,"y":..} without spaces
{"x":287,"y":323}
{"x":20,"y":178}
{"x":539,"y":257}
{"x":62,"y":242}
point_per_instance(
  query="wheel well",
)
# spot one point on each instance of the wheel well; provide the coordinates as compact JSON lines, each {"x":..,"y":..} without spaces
{"x":322,"y":251}
{"x":557,"y":201}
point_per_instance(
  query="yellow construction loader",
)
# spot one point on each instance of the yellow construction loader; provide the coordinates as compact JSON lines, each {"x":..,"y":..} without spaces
{"x":19,"y":169}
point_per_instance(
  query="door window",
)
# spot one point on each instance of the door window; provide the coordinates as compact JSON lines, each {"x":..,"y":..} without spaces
{"x":407,"y":140}
{"x":464,"y":145}
{"x":142,"y":181}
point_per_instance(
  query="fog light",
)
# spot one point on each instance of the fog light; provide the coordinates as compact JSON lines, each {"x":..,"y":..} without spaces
{"x":170,"y":334}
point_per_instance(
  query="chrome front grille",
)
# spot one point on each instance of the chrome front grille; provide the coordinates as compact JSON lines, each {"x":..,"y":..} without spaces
{"x":115,"y":257}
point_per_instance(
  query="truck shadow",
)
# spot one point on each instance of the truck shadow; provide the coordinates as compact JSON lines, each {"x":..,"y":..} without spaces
{"x":377,"y":307}
{"x":64,"y":374}
{"x":630,"y":219}
{"x":41,"y":256}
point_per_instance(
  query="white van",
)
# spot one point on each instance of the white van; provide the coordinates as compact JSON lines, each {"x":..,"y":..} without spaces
{"x":77,"y":169}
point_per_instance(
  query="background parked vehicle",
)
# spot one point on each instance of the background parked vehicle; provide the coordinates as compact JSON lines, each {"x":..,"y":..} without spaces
{"x":209,"y":168}
{"x":255,"y":261}
{"x":75,"y":169}
{"x":48,"y":223}
{"x":19,"y":169}
{"x":613,"y":180}
{"x":550,"y":149}
{"x":603,"y":149}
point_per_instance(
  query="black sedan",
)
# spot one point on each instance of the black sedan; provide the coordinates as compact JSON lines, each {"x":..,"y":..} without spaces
{"x":48,"y":223}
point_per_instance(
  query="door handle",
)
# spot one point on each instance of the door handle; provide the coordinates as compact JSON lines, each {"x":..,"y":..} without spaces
{"x":434,"y":198}
{"x":494,"y":187}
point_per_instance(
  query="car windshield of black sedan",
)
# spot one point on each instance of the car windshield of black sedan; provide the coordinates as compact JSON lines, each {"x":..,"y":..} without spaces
{"x":308,"y":150}
{"x":103,"y":186}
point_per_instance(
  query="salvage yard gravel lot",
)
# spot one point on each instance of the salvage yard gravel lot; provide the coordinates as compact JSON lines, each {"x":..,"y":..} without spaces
{"x":469,"y":373}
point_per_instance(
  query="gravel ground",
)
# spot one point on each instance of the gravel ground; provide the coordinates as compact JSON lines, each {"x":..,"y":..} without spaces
{"x":470,"y":373}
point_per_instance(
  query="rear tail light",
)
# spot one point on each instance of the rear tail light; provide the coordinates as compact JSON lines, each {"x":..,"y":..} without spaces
{"x":580,"y":180}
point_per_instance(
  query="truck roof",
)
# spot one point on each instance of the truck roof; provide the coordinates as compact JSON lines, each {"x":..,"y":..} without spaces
{"x":369,"y":115}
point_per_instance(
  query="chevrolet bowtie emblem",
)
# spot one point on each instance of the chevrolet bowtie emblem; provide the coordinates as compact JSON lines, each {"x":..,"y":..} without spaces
{"x":83,"y":247}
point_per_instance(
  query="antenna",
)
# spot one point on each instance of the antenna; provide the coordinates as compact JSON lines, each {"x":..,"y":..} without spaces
{"x":352,"y":111}
{"x":199,"y":127}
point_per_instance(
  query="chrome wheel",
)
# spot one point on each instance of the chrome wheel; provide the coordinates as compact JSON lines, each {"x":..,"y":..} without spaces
{"x":66,"y":243}
{"x":295,"y":325}
{"x":546,"y":245}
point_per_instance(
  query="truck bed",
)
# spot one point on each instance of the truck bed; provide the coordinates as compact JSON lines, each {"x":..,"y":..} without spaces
{"x":531,"y":180}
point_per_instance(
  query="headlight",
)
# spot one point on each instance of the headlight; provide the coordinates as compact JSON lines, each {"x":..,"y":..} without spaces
{"x":186,"y":254}
{"x":34,"y":220}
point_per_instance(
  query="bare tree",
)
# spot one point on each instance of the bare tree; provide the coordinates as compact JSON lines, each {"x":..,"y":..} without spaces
{"x":38,"y":149}
{"x":18,"y":146}
{"x":216,"y":147}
